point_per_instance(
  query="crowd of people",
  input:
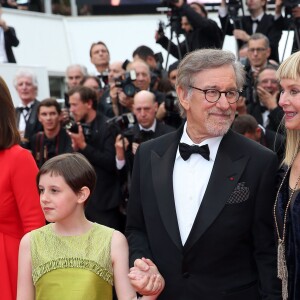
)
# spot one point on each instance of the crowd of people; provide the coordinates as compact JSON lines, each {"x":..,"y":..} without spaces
{"x":157,"y":184}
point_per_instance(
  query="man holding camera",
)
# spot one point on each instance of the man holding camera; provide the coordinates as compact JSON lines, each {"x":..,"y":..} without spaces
{"x":146,"y":128}
{"x":258,"y":22}
{"x":53,"y":139}
{"x":137,"y":78}
{"x":200,"y":31}
{"x":93,"y":139}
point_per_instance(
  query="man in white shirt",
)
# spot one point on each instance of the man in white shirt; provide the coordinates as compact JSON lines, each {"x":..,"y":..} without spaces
{"x":8,"y":39}
{"x":201,"y":198}
{"x":26,"y":84}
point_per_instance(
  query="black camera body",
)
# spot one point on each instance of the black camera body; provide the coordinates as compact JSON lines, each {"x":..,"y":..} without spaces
{"x":171,"y":102}
{"x":126,"y":83}
{"x":122,"y":123}
{"x":72,"y":126}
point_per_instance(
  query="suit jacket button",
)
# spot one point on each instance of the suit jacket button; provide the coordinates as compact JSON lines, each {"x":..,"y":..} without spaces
{"x":186,"y":275}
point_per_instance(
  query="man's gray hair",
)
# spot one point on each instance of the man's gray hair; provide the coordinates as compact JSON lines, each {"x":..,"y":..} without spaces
{"x":82,"y":69}
{"x":260,"y":36}
{"x":206,"y":59}
{"x":28,"y":73}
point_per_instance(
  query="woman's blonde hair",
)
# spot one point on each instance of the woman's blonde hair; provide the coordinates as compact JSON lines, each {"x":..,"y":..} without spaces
{"x":290,"y":69}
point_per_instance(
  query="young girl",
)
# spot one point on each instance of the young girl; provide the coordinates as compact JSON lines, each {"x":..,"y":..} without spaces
{"x":73,"y":258}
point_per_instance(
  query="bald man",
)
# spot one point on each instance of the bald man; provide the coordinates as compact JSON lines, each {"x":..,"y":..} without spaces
{"x":147,"y":127}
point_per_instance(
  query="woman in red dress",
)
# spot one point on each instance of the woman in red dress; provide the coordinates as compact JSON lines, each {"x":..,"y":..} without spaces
{"x":20,"y":210}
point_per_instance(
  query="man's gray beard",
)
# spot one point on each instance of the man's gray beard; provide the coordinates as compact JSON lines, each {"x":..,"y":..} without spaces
{"x":218,"y":130}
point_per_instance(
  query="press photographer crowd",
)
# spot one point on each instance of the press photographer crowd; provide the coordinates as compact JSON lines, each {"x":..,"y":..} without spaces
{"x":107,"y":115}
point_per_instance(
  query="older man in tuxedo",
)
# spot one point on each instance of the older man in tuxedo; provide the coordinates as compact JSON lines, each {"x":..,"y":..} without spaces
{"x":26,"y":84}
{"x":201,"y":200}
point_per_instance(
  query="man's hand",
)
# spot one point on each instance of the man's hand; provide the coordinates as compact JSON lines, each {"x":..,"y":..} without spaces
{"x":119,"y":145}
{"x":296,"y":12}
{"x":78,"y":139}
{"x":266,"y":98}
{"x":3,"y":25}
{"x":161,"y":112}
{"x":134,"y":147}
{"x":125,"y":100}
{"x":145,"y":278}
{"x":241,"y":35}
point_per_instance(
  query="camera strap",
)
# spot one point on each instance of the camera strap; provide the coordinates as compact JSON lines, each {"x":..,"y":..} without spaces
{"x":41,"y":150}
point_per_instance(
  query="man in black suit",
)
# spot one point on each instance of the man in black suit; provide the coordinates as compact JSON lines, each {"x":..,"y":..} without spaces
{"x":146,"y":128}
{"x":248,"y":126}
{"x":200,"y":31}
{"x":203,"y":213}
{"x":53,"y":140}
{"x":25,"y":82}
{"x":258,"y":22}
{"x":93,"y":139}
{"x":8,"y":39}
{"x":264,"y":107}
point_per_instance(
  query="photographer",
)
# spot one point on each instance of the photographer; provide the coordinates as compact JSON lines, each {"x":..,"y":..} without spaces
{"x":200,"y":32}
{"x":258,"y":22}
{"x":93,"y":139}
{"x":168,"y":111}
{"x":53,"y":139}
{"x":291,"y":22}
{"x":147,"y":127}
{"x":137,"y":77}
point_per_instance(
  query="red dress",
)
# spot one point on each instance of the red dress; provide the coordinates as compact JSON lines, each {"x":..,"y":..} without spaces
{"x":20,"y":212}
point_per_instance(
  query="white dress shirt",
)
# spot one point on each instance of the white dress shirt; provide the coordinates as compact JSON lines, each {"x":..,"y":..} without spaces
{"x":190,"y":180}
{"x":24,"y":117}
{"x":3,"y":56}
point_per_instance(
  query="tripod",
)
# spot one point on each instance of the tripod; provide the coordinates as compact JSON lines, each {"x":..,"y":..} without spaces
{"x":175,"y":27}
{"x":233,"y":8}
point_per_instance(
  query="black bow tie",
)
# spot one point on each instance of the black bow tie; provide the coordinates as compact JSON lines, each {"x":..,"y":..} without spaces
{"x":254,"y":21}
{"x":146,"y":135}
{"x":263,"y":109}
{"x":186,"y":151}
{"x":26,"y":109}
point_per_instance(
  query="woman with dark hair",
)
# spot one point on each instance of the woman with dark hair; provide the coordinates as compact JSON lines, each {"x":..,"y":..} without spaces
{"x":20,"y":210}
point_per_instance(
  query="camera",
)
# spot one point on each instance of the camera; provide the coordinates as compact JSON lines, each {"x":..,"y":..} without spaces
{"x":171,"y":102}
{"x":233,"y":8}
{"x":72,"y":126}
{"x":126,"y":83}
{"x":122,"y":122}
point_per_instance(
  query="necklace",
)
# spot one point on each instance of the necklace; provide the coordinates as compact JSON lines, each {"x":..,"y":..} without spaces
{"x":282,"y":272}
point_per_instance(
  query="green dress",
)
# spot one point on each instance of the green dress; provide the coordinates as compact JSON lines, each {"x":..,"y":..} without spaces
{"x":72,"y":267}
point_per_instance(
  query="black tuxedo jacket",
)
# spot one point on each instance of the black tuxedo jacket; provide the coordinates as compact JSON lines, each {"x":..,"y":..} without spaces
{"x":58,"y":145}
{"x":10,"y":40}
{"x":275,"y":115}
{"x":33,"y":125}
{"x":268,"y":26}
{"x":100,"y":152}
{"x":230,"y":252}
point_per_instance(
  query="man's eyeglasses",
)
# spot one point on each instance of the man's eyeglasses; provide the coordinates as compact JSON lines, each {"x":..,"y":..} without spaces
{"x":213,"y":95}
{"x":258,"y":50}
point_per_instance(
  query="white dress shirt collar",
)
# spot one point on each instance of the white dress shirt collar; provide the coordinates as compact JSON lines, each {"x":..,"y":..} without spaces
{"x":153,"y":127}
{"x":213,"y":143}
